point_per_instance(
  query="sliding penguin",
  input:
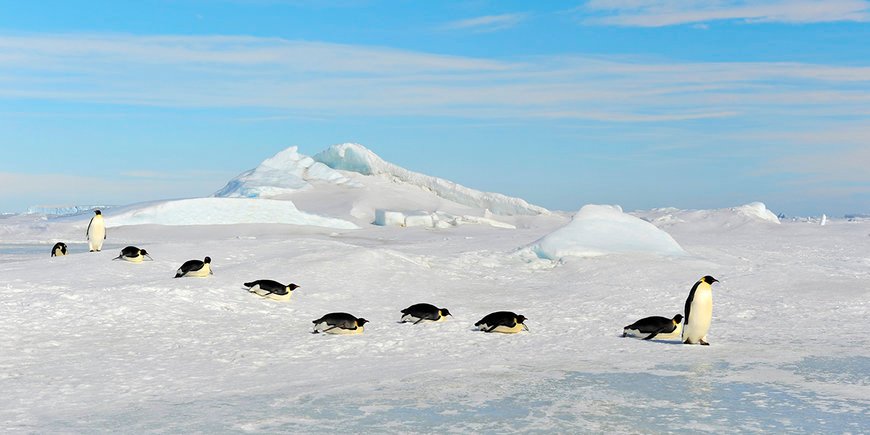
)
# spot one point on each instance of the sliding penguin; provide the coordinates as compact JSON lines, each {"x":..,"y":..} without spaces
{"x":271,"y":289}
{"x":200,"y":269}
{"x":699,"y":312}
{"x":424,"y":313}
{"x":655,"y":327}
{"x":133,"y":255}
{"x":505,"y":322}
{"x":59,"y":249}
{"x":339,"y":323}
{"x":96,"y":232}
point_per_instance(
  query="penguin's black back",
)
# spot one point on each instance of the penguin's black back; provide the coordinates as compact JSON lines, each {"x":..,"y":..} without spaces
{"x":651,"y":324}
{"x":499,"y":318}
{"x":342,"y":320}
{"x":130,"y":251}
{"x":423,"y":311}
{"x":269,"y":286}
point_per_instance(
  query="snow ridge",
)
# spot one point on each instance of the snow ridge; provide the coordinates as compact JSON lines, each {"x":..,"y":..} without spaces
{"x":357,"y":158}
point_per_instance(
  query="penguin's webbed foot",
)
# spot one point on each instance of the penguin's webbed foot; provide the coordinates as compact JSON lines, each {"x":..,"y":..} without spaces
{"x":704,"y":343}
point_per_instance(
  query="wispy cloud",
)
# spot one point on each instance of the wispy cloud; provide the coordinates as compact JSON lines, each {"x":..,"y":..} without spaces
{"x":320,"y":80}
{"x":658,"y":13}
{"x":488,"y":23}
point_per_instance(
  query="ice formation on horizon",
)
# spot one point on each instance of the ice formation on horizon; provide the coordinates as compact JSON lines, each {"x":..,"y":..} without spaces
{"x":285,"y":172}
{"x":603,"y":229}
{"x":357,"y":158}
{"x":732,"y":217}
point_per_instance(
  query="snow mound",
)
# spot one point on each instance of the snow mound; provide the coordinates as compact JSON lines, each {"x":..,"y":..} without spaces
{"x":426,"y":219}
{"x":732,"y":217}
{"x":756,"y":210}
{"x":223,"y":211}
{"x":285,"y":172}
{"x":603,"y":229}
{"x":357,"y":158}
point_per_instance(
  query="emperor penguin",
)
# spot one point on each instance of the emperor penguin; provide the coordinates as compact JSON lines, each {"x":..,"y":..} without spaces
{"x":96,"y":232}
{"x":424,"y":313}
{"x":655,"y":327}
{"x":505,"y":322}
{"x":699,"y":312}
{"x":199,"y":269}
{"x":133,"y":255}
{"x":339,"y":323}
{"x":59,"y":249}
{"x":269,"y":289}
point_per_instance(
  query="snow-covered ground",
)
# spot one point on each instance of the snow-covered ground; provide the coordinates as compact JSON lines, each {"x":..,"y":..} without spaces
{"x":88,"y":344}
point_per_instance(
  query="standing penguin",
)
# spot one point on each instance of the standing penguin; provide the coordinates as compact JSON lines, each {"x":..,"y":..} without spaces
{"x":505,"y":322}
{"x":699,"y":312}
{"x":424,"y":312}
{"x":59,"y":249}
{"x":133,"y":255}
{"x":96,"y":232}
{"x":339,"y":323}
{"x":199,"y":269}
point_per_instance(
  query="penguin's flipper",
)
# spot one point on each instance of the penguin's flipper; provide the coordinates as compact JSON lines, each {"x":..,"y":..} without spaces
{"x":118,"y":257}
{"x":651,"y":336}
{"x":420,"y":320}
{"x":490,"y":329}
{"x":526,"y":328}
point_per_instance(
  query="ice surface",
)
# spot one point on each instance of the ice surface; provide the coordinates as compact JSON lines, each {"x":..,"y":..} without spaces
{"x":605,"y":229}
{"x":285,"y":172}
{"x":90,"y":345}
{"x":357,"y":158}
{"x":222,"y":211}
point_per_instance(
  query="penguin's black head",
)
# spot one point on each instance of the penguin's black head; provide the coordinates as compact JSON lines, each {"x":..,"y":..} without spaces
{"x":207,"y":260}
{"x":361,"y":321}
{"x":143,"y":252}
{"x":444,"y":312}
{"x":521,"y":319}
{"x":678,"y":318}
{"x":292,"y":287}
{"x":97,"y":212}
{"x":709,"y":279}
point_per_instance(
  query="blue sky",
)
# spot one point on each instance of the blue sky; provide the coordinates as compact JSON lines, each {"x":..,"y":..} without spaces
{"x":642,"y":103}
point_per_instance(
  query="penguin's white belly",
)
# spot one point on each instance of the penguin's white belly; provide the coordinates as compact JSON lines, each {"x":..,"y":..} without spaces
{"x":322,"y":327}
{"x":700,"y":316}
{"x":96,"y":234}
{"x":58,"y":252}
{"x":201,"y":273}
{"x":268,"y":295}
{"x":503,"y":329}
{"x":137,"y":259}
{"x":413,"y":319}
{"x":677,"y":333}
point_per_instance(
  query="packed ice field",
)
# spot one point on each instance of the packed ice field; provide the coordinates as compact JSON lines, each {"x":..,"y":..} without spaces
{"x":90,"y":344}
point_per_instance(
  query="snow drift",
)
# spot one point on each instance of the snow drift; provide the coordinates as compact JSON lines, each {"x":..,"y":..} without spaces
{"x":356,"y":158}
{"x":285,"y":172}
{"x":223,"y":211}
{"x":603,"y":229}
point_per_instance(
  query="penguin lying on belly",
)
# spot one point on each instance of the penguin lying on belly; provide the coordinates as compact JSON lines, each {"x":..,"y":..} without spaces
{"x":655,"y":327}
